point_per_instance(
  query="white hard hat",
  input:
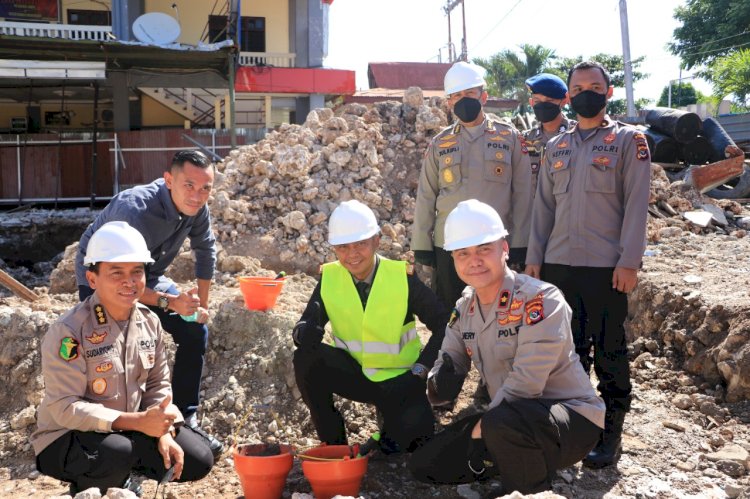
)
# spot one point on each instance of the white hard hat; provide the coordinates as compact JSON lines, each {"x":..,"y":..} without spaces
{"x":463,"y":75}
{"x":350,"y":222}
{"x":472,"y":223}
{"x":117,"y":242}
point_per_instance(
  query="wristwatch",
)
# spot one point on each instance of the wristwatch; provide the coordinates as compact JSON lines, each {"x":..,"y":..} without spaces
{"x":419,"y":370}
{"x":163,"y":303}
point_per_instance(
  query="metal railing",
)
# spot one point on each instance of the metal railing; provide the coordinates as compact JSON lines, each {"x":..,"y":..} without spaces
{"x":277,"y":59}
{"x":64,"y":31}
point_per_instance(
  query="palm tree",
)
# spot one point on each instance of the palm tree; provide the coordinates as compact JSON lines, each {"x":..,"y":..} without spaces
{"x":508,"y":70}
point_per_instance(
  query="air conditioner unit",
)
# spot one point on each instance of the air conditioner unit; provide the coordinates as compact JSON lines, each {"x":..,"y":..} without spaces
{"x":107,"y":115}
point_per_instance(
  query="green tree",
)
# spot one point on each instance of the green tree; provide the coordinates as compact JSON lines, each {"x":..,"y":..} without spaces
{"x":611,"y":62}
{"x":710,"y":29}
{"x":683,"y":94}
{"x":731,"y":75}
{"x":508,"y":70}
{"x":619,"y":107}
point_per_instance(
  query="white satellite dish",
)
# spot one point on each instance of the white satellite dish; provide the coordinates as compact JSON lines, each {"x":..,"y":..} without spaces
{"x":156,"y":28}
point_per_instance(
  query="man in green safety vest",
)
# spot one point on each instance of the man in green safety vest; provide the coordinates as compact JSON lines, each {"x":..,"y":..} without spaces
{"x":376,"y":355}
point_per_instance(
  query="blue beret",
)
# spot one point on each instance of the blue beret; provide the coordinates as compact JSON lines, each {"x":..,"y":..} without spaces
{"x":547,"y":84}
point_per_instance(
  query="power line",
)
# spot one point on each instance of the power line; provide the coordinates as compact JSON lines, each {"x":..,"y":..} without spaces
{"x":496,"y":25}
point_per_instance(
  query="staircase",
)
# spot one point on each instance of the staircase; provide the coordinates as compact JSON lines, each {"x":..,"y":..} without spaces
{"x":195,"y":104}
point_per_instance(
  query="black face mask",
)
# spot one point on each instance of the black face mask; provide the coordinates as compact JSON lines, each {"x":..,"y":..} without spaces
{"x":588,"y":103}
{"x":467,"y":109}
{"x":546,"y":111}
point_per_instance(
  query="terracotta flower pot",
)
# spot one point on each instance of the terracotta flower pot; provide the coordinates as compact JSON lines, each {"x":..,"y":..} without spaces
{"x":262,"y":476}
{"x":331,"y":471}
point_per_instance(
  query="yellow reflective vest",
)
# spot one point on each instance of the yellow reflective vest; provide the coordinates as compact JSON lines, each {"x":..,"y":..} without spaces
{"x":376,"y":337}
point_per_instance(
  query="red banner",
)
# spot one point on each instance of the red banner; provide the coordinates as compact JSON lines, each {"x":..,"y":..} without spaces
{"x":29,"y":10}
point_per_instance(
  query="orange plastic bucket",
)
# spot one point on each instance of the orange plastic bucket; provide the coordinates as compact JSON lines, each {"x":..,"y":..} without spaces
{"x":331,"y":471}
{"x":262,"y":477}
{"x":260,"y":293}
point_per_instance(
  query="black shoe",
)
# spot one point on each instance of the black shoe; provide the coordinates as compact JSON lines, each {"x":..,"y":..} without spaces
{"x":213,"y":443}
{"x":130,"y":484}
{"x":133,"y":486}
{"x":609,"y":449}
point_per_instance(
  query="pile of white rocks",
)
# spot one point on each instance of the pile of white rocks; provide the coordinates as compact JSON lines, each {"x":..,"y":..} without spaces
{"x":283,"y":188}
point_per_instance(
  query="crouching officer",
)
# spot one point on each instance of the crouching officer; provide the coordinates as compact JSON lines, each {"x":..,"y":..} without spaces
{"x":377,"y":356}
{"x":107,"y":406}
{"x":515,"y":329}
{"x":549,"y":94}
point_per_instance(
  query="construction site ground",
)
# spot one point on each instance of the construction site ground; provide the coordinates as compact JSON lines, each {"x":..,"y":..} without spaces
{"x":687,"y":435}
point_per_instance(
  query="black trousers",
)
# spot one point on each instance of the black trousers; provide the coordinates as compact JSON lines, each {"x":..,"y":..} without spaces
{"x":517,"y":259}
{"x":445,"y":281}
{"x":599,"y":314}
{"x":526,"y":441}
{"x":324,"y":370}
{"x":104,"y":460}
{"x":192,"y":340}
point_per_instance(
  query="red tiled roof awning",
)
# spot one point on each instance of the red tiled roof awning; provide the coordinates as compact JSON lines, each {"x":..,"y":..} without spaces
{"x":400,"y":75}
{"x":266,"y":79}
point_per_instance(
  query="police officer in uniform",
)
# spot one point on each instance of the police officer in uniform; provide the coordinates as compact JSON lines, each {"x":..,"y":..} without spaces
{"x":589,"y":232}
{"x":107,"y":406}
{"x":548,"y":95}
{"x":544,"y":414}
{"x":376,"y":356}
{"x":477,"y":157}
{"x":166,"y":212}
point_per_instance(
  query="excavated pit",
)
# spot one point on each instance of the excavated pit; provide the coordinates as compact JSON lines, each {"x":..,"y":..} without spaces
{"x":32,"y":242}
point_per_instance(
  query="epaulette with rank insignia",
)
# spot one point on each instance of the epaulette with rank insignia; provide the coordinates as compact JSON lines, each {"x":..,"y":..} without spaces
{"x":101,"y":317}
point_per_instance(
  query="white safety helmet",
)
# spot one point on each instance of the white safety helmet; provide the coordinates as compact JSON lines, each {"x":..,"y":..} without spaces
{"x":117,"y":242}
{"x":472,"y":223}
{"x":350,"y":222}
{"x":462,"y":76}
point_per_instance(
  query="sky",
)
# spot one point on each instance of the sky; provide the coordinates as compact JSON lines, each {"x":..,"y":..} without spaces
{"x":363,"y":31}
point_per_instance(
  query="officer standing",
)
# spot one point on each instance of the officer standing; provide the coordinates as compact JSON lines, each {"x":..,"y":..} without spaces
{"x":548,"y":96}
{"x":376,"y":356}
{"x":589,"y":231}
{"x":166,"y":212}
{"x":107,"y":406}
{"x":515,"y":329}
{"x":477,"y":157}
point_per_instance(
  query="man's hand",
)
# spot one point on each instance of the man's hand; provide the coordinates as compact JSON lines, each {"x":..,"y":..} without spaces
{"x":425,"y":257}
{"x":203,"y":315}
{"x":157,"y":419}
{"x":533,"y":271}
{"x":172,"y":454}
{"x":408,"y":384}
{"x":310,"y":333}
{"x":732,"y":151}
{"x":447,"y":382}
{"x":624,"y":280}
{"x":186,"y":303}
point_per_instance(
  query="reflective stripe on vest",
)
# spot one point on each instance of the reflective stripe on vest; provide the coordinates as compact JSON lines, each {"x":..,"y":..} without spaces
{"x":376,"y":337}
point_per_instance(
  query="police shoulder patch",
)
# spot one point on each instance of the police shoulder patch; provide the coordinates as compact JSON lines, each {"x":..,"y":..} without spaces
{"x":68,"y":348}
{"x":409,"y":269}
{"x":454,"y":317}
{"x":534,"y":310}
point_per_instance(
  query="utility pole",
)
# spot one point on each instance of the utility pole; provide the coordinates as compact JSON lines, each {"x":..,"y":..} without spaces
{"x":449,"y":6}
{"x":627,"y":63}
{"x":451,"y":55}
{"x":464,"y":47}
